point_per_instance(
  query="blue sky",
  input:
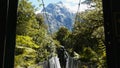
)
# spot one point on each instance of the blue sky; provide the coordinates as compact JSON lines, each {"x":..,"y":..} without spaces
{"x":71,"y":4}
{"x":36,"y":3}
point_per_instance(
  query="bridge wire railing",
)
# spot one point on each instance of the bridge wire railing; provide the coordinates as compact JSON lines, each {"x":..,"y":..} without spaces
{"x":71,"y":62}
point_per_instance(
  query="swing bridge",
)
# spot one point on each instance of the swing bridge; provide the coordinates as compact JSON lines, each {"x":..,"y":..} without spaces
{"x":54,"y":61}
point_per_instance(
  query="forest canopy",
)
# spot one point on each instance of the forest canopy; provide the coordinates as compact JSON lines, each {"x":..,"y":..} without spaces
{"x":84,"y":43}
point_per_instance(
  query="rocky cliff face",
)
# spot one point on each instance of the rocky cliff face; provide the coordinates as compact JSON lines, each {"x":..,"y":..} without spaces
{"x":58,"y":16}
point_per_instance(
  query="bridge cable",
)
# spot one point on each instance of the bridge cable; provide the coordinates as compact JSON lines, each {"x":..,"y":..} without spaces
{"x":76,"y":17}
{"x":45,"y":15}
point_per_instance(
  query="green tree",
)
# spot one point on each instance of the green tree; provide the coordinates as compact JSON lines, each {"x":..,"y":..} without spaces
{"x":89,"y":35}
{"x":32,"y":40}
{"x":65,"y":37}
{"x":25,"y":18}
{"x":25,"y":51}
{"x":62,"y":35}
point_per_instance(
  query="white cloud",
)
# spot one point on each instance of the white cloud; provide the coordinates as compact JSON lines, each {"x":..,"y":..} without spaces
{"x":37,"y":11}
{"x":73,"y":5}
{"x":73,"y":1}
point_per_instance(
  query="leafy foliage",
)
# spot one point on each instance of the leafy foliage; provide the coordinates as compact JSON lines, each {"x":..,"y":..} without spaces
{"x":62,"y":35}
{"x":26,"y":17}
{"x":25,"y":51}
{"x":85,"y":42}
{"x":26,"y":41}
{"x":87,"y":38}
{"x":32,"y":41}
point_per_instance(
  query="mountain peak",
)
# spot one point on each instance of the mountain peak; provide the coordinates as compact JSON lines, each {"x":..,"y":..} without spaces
{"x":58,"y":16}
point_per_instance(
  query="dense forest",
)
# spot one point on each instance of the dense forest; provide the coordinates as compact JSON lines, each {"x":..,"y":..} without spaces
{"x":85,"y":42}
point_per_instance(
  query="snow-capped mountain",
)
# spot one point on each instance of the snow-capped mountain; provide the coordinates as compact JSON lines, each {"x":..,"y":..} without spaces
{"x":58,"y":15}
